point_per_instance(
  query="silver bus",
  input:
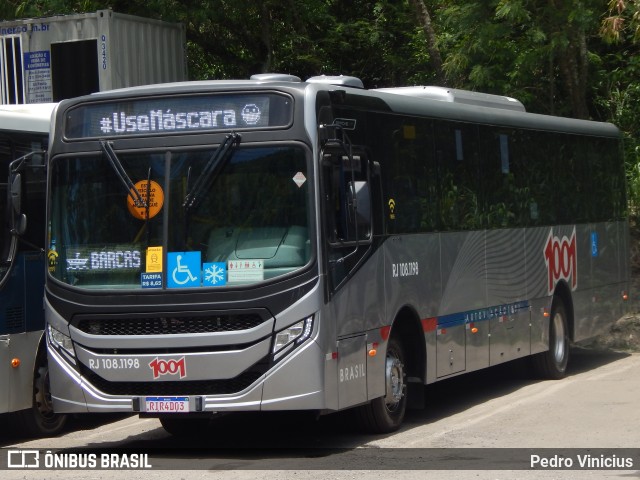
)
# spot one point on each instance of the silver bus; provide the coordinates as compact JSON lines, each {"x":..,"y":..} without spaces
{"x":24,"y":395}
{"x":273,"y":244}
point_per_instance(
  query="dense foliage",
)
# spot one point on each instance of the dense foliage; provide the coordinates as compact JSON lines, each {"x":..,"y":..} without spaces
{"x":565,"y":57}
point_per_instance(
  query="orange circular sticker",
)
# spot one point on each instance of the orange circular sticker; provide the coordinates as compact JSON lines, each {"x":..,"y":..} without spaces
{"x":154,"y":197}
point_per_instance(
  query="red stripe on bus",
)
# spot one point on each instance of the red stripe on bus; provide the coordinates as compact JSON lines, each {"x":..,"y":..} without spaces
{"x":429,"y":324}
{"x":384,"y":332}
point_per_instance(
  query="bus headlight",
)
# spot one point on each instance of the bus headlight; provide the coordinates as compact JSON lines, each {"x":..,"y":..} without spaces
{"x":293,"y":335}
{"x":60,"y":340}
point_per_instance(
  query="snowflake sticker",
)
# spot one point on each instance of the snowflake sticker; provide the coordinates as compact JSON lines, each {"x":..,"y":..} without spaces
{"x":215,"y":274}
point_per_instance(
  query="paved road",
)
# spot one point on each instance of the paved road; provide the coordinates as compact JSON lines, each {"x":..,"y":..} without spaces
{"x":595,"y":407}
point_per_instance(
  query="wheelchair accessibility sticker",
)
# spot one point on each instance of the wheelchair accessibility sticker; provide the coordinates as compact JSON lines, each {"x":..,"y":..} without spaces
{"x":183,"y":269}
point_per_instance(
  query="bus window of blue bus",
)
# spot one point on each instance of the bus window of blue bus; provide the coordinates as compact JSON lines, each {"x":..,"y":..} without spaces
{"x":285,"y":245}
{"x":25,"y":396}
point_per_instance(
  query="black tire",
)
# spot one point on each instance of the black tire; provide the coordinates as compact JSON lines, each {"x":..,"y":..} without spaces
{"x":552,"y":364}
{"x":184,"y":427}
{"x":39,"y":420}
{"x":385,"y":414}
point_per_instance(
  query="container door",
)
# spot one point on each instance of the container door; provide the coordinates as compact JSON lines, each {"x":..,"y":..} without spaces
{"x":11,"y":68}
{"x":74,"y":69}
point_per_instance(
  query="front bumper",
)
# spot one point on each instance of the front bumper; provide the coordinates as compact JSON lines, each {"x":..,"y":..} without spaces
{"x":295,"y":383}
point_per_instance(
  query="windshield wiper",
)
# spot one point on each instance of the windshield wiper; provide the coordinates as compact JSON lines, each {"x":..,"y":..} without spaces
{"x":122,"y":174}
{"x":215,"y":162}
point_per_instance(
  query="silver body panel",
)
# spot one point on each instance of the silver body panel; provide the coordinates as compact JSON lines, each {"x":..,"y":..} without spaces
{"x":17,"y":391}
{"x":273,"y":391}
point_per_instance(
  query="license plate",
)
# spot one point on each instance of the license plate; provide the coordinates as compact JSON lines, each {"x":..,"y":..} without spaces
{"x":167,"y":404}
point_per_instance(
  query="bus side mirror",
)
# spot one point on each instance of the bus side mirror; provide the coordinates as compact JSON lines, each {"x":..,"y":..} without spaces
{"x":20,"y":224}
{"x":16,"y":193}
{"x":18,"y":219}
{"x":360,"y":203}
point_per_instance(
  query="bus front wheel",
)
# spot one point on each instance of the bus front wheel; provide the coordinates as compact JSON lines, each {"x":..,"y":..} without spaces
{"x":385,"y":414}
{"x":40,"y":420}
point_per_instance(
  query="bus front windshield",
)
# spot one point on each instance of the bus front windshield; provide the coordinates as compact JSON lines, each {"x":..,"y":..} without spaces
{"x":144,"y":221}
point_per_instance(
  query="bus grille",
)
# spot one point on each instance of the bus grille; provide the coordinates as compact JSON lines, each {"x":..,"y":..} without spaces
{"x":195,"y":387}
{"x":169,"y":325}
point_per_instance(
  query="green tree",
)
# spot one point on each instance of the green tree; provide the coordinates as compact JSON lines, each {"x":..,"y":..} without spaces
{"x":538,"y":51}
{"x":618,"y":93}
{"x":549,"y":54}
{"x":623,"y":15}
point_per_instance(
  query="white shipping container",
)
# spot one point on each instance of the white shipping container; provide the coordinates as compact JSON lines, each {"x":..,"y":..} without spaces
{"x":52,"y":58}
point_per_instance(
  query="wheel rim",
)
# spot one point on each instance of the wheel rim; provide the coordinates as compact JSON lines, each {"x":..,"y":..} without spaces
{"x":559,"y":344}
{"x":395,"y":381}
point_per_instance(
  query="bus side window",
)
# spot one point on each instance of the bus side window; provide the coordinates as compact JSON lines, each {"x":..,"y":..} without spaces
{"x":407,"y":208}
{"x":458,"y":199}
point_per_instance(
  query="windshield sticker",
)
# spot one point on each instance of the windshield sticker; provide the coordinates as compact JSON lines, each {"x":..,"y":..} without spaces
{"x":183,"y":269}
{"x":299,"y":179}
{"x":154,"y":198}
{"x":214,"y":274}
{"x":52,"y":257}
{"x":245,"y":271}
{"x":151,"y":280}
{"x":154,"y":259}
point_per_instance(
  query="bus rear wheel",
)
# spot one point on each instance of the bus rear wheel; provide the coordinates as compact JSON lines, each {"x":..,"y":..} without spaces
{"x":552,"y":364}
{"x":385,"y":414}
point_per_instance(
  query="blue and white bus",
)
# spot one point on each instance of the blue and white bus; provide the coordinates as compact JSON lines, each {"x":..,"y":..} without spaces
{"x":24,"y":134}
{"x":273,"y":244}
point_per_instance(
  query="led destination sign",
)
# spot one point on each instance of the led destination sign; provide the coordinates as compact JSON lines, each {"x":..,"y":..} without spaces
{"x":179,"y":114}
{"x":103,"y":259}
